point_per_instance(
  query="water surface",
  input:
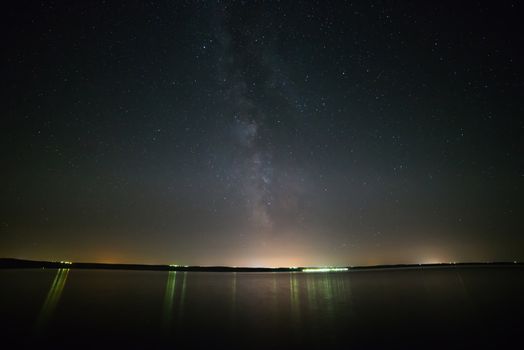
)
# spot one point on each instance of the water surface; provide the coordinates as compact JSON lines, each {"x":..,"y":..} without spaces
{"x":428,"y":307}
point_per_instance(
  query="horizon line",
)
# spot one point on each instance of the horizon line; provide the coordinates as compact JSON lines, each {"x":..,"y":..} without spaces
{"x":27,"y":263}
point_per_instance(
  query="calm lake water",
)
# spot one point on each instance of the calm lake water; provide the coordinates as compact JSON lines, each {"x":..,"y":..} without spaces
{"x":430,"y":307}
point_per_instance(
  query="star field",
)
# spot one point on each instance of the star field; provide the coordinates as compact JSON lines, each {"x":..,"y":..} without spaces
{"x":263,"y":133}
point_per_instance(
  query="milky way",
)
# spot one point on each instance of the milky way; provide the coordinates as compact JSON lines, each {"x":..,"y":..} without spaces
{"x":250,"y":83}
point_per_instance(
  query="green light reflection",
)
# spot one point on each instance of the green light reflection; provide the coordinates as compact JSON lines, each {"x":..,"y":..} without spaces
{"x":53,"y":296}
{"x":274,"y":292}
{"x":294,"y":293}
{"x":311,"y":288}
{"x":327,"y":295}
{"x":182,"y":298}
{"x":169,"y":298}
{"x":233,"y":296}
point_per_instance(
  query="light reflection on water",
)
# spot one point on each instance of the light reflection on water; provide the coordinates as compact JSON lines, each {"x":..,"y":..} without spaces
{"x":308,"y":295}
{"x":52,"y":299}
{"x":294,"y":306}
{"x":169,"y":298}
{"x":294,"y":293}
{"x":303,"y":301}
{"x":233,"y":296}
{"x":182,"y":299}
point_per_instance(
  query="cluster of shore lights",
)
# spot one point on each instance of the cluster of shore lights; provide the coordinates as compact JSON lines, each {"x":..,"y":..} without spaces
{"x":325,"y":269}
{"x":66,"y":262}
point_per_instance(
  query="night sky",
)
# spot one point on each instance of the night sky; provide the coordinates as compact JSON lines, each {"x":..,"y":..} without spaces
{"x":262,"y":133}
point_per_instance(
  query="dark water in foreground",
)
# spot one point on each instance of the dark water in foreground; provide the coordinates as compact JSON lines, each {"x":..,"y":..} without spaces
{"x":416,"y":308}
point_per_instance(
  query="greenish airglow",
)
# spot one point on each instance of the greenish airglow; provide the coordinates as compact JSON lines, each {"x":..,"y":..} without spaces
{"x":169,"y":297}
{"x":53,"y":296}
{"x":326,"y":269}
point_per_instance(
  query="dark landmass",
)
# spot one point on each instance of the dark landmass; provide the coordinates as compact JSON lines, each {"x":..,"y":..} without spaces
{"x":9,"y":263}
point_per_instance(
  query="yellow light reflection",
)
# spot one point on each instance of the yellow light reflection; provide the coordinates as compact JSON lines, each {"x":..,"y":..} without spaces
{"x":53,"y":296}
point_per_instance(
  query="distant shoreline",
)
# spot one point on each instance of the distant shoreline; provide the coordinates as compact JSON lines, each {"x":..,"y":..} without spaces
{"x":10,"y":263}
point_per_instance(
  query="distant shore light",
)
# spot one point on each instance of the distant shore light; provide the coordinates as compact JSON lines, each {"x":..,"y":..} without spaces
{"x":326,"y":269}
